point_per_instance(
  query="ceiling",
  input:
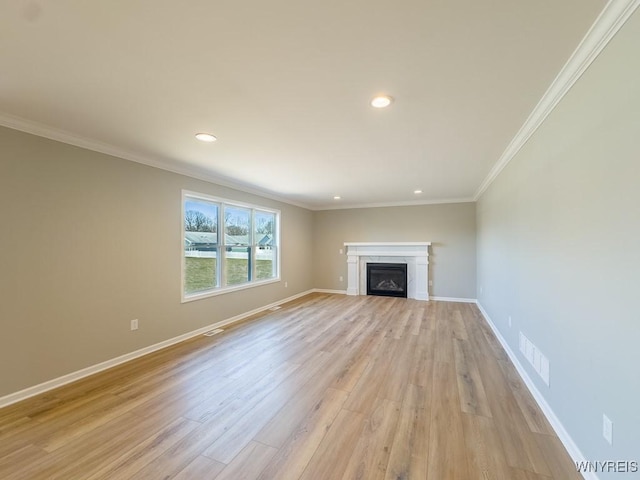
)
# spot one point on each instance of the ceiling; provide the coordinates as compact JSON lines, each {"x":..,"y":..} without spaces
{"x":285,"y":86}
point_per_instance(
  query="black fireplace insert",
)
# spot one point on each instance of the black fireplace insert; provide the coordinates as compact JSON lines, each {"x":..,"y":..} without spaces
{"x":387,"y":279}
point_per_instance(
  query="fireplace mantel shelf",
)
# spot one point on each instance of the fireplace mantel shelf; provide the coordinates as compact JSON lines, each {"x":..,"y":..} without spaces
{"x":391,"y":244}
{"x":414,"y":254}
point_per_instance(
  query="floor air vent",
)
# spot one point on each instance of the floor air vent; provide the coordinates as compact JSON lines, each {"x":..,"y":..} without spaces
{"x":211,"y":333}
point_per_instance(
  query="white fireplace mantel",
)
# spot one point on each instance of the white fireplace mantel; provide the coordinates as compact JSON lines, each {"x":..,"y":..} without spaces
{"x":414,"y":254}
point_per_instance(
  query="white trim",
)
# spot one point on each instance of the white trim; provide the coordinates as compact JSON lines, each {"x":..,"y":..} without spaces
{"x":46,"y":131}
{"x":437,"y":299}
{"x":52,"y":133}
{"x":221,"y":204}
{"x":414,"y":254}
{"x":563,"y":435}
{"x":326,"y":290}
{"x":395,"y":204}
{"x":610,"y":20}
{"x":85,"y":372}
{"x":454,"y":299}
{"x":387,"y":244}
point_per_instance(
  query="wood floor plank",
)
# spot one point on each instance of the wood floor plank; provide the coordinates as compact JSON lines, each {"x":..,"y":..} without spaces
{"x":333,"y":454}
{"x":559,"y":461}
{"x":201,"y":468}
{"x":519,"y":445}
{"x":409,"y":452}
{"x":300,"y":446}
{"x":309,"y":396}
{"x":518,"y":474}
{"x":473,"y":398}
{"x":248,"y":464}
{"x":417,"y":316}
{"x":145,"y":453}
{"x":447,"y":450}
{"x":327,"y":387}
{"x":421,"y":366}
{"x":371,"y":455}
{"x":485,"y":458}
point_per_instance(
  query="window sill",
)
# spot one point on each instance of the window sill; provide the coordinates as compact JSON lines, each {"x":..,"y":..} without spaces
{"x":223,"y":290}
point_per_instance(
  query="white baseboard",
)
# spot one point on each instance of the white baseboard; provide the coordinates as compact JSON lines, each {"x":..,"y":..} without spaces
{"x":438,"y":299}
{"x":563,"y":435}
{"x":454,"y":299}
{"x":85,"y":372}
{"x":325,"y":290}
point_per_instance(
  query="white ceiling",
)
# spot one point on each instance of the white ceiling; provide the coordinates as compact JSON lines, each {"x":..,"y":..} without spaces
{"x":286,"y":85}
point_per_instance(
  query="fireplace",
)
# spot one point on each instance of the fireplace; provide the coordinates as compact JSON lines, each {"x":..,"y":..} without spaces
{"x":387,"y":279}
{"x":414,"y":254}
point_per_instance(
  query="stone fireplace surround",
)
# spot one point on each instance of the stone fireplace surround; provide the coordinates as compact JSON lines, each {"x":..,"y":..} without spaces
{"x":414,"y":254}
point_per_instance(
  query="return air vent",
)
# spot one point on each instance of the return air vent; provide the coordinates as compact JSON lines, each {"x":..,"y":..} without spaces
{"x":211,"y":333}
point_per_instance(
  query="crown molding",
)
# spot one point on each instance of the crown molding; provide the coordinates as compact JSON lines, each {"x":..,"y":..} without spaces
{"x":396,"y":204}
{"x":611,"y":19}
{"x":46,"y":131}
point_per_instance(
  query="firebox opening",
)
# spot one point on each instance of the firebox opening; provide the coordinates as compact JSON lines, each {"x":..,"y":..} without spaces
{"x":387,"y":279}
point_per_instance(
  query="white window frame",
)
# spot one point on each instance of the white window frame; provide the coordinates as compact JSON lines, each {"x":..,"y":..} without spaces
{"x":221,"y":289}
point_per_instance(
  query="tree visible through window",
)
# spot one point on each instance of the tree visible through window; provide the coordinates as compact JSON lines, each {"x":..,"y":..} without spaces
{"x":200,"y":245}
{"x":237,"y":242}
{"x":264,"y":236}
{"x":244,"y":250}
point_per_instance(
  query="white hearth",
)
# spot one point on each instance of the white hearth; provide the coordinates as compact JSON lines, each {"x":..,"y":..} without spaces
{"x":414,"y":254}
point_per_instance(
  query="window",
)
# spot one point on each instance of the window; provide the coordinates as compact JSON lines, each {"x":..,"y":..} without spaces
{"x":226,"y":246}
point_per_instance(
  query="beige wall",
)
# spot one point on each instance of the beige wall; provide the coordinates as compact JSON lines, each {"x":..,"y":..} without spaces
{"x":558,"y":251}
{"x":450,"y":227}
{"x":90,"y":242}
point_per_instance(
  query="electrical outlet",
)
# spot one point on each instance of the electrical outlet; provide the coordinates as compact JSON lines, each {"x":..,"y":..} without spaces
{"x":509,"y":321}
{"x":431,"y":283}
{"x":341,"y":278}
{"x":286,"y":284}
{"x":134,"y":324}
{"x":607,"y":429}
{"x":340,"y":251}
{"x":523,"y":343}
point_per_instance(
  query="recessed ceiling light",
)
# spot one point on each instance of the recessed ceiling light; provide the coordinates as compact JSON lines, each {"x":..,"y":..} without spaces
{"x":417,"y":192}
{"x":337,"y":197}
{"x":205,"y":137}
{"x":381,"y":101}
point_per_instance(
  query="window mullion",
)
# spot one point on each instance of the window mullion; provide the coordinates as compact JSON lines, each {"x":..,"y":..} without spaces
{"x":253,"y":248}
{"x":223,"y":242}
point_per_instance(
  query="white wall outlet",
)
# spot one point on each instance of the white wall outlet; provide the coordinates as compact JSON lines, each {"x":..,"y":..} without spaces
{"x":431,"y":283}
{"x":480,"y":289}
{"x":134,"y":324}
{"x":340,"y":251}
{"x":286,"y":284}
{"x":509,"y":321}
{"x":522,"y":343}
{"x":607,"y":429}
{"x":341,"y":278}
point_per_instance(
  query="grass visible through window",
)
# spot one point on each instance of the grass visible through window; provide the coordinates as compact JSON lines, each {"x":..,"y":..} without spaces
{"x":200,"y":273}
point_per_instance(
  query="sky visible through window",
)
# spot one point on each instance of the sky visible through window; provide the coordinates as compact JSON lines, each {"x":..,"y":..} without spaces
{"x":203,"y":207}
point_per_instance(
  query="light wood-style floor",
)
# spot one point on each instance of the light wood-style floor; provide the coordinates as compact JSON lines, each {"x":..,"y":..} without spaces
{"x":329,"y":387}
